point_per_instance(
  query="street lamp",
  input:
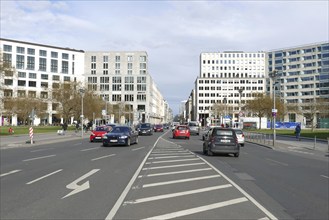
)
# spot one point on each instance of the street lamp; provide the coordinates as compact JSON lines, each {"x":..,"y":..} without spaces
{"x":225,"y":101}
{"x":273,"y":76}
{"x":240,"y":92}
{"x":82,"y":93}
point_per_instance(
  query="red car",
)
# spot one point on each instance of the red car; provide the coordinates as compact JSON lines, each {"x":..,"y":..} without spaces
{"x":97,"y":134}
{"x":158,"y":128}
{"x":181,"y":131}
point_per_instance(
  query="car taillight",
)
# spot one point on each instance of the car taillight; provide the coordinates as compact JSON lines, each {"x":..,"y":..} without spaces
{"x":243,"y":135}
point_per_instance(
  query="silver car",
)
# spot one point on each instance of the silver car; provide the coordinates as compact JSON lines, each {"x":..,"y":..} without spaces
{"x":194,"y":127}
{"x":240,"y":136}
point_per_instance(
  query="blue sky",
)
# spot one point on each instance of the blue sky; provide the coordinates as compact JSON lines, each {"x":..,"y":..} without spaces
{"x":173,"y":33}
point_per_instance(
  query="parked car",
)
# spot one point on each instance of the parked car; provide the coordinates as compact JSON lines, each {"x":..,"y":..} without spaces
{"x":145,"y":129}
{"x":221,"y":140}
{"x":120,"y":135}
{"x":194,"y":127}
{"x":181,"y":131}
{"x":158,"y":128}
{"x":97,"y":134}
{"x":240,"y":135}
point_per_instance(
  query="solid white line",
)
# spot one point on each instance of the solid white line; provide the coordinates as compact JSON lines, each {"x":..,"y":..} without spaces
{"x":137,"y":148}
{"x":179,"y":165}
{"x":154,"y":158}
{"x":180,"y":181}
{"x":325,"y":176}
{"x":278,"y":162}
{"x":33,"y":181}
{"x":176,"y":172}
{"x":41,"y":150}
{"x":262,"y":208}
{"x":123,"y":195}
{"x":199,"y":209}
{"x":94,"y":148}
{"x":98,"y":158}
{"x":171,"y":161}
{"x":37,"y":158}
{"x":11,"y":172}
{"x":171,"y":195}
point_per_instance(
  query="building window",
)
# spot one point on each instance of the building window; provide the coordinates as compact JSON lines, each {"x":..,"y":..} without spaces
{"x":44,"y":85}
{"x":67,"y":78}
{"x":130,"y":66}
{"x":142,"y":58}
{"x":42,"y":53}
{"x":117,"y":65}
{"x":141,"y":97}
{"x":19,"y":62}
{"x":117,"y":58}
{"x":142,"y":66}
{"x":20,"y":50}
{"x":129,"y":98}
{"x":141,"y":87}
{"x":7,"y":58}
{"x":105,"y":65}
{"x":54,"y":66}
{"x":55,"y":78}
{"x":44,"y":76}
{"x":105,"y":72}
{"x":7,"y":48}
{"x":104,"y":80}
{"x":116,"y":79}
{"x":93,"y":72}
{"x":130,"y":58}
{"x":54,"y":54}
{"x":93,"y":65}
{"x":30,"y":63}
{"x":8,"y":82}
{"x":21,"y":74}
{"x":129,"y":87}
{"x":65,"y":56}
{"x":116,"y":87}
{"x":30,"y":51}
{"x":21,"y":83}
{"x":141,"y":79}
{"x":32,"y":75}
{"x":93,"y":58}
{"x":42,"y":64}
{"x":116,"y":98}
{"x":105,"y":59}
{"x":65,"y":67}
{"x":32,"y":84}
{"x":92,"y":79}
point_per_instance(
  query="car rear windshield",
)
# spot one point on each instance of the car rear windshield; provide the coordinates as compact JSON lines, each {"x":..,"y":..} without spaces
{"x":238,"y":132}
{"x":100,"y":129}
{"x":224,"y":133}
{"x":145,"y":125}
{"x":192,"y":124}
{"x":181,"y":128}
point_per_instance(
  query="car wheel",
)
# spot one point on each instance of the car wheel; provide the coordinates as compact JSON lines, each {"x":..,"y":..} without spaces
{"x":209,"y":152}
{"x":242,"y":145}
{"x":204,"y":151}
{"x":128,"y":142}
{"x":237,"y":154}
{"x":104,"y":145}
{"x":136,"y":142}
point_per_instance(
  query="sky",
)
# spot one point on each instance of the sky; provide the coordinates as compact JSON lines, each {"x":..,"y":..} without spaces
{"x":173,"y":33}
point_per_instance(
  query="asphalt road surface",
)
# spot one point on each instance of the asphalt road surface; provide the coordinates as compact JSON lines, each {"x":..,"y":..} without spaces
{"x":160,"y":178}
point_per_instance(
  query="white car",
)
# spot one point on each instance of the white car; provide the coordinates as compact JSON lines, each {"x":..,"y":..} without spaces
{"x":240,"y":136}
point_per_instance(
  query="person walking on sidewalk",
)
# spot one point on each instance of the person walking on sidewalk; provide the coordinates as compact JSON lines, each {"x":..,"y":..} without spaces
{"x":297,"y":131}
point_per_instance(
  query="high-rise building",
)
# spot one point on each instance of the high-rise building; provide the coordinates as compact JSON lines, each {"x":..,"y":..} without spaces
{"x":227,"y":80}
{"x":302,"y":81}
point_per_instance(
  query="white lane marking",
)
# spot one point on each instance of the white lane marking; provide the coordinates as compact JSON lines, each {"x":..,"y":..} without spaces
{"x":325,"y":176}
{"x":169,"y":151}
{"x":199,"y":209}
{"x":37,"y":158}
{"x":177,"y":154}
{"x":278,"y":162}
{"x":154,"y":158}
{"x":179,"y":181}
{"x":78,"y":188}
{"x":10,"y":172}
{"x":179,"y":165}
{"x":123,"y":195}
{"x":171,"y":195}
{"x":77,"y":144}
{"x":175,"y":172}
{"x":262,"y":208}
{"x":301,"y":152}
{"x":265,"y":218}
{"x":106,"y":156}
{"x":93,"y":148}
{"x":172,"y":161}
{"x":137,"y":148}
{"x":41,"y":150}
{"x":36,"y":180}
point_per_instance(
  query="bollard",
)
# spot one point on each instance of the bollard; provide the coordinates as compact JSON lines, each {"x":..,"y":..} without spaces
{"x":314,"y":142}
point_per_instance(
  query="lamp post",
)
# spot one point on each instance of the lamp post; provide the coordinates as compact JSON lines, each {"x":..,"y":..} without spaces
{"x":82,"y":93}
{"x":240,"y":92}
{"x":225,"y":101}
{"x":273,"y":76}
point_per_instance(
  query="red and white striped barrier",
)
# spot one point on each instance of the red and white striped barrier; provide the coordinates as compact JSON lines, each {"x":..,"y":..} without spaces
{"x":31,"y":134}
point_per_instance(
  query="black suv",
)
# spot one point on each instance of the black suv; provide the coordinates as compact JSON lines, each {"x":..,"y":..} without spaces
{"x":221,"y":140}
{"x":145,"y":129}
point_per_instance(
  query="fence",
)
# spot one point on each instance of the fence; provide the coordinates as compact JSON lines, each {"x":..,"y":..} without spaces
{"x":260,"y":138}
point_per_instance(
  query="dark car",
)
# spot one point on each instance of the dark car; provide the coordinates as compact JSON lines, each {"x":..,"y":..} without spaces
{"x":120,"y":135}
{"x":221,"y":140}
{"x":158,"y":127}
{"x":145,"y":129}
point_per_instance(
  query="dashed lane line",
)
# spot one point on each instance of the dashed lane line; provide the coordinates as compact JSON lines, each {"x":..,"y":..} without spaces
{"x":106,"y":156}
{"x":45,"y":176}
{"x":170,"y":154}
{"x":154,"y":158}
{"x":172,"y":161}
{"x":278,"y":162}
{"x":8,"y":173}
{"x":174,"y":172}
{"x":88,"y":149}
{"x":199,"y":209}
{"x":327,"y":177}
{"x":38,"y":158}
{"x":171,"y":195}
{"x":137,"y":148}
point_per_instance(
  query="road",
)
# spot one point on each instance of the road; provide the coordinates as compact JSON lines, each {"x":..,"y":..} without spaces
{"x":159,"y":178}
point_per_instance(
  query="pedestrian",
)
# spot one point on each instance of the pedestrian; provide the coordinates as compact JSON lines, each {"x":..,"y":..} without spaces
{"x":297,"y":132}
{"x":10,"y":130}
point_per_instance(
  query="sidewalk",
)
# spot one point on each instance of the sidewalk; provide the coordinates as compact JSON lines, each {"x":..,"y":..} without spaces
{"x":12,"y":141}
{"x":283,"y":141}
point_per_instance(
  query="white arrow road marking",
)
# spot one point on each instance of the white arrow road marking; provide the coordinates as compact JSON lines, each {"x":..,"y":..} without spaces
{"x":78,"y":188}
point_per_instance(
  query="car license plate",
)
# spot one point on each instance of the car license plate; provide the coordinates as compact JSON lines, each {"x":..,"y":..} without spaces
{"x":98,"y":137}
{"x":113,"y":140}
{"x":225,"y":141}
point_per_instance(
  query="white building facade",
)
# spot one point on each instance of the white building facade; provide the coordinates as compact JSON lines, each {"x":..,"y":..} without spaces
{"x":228,"y":79}
{"x":36,"y":67}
